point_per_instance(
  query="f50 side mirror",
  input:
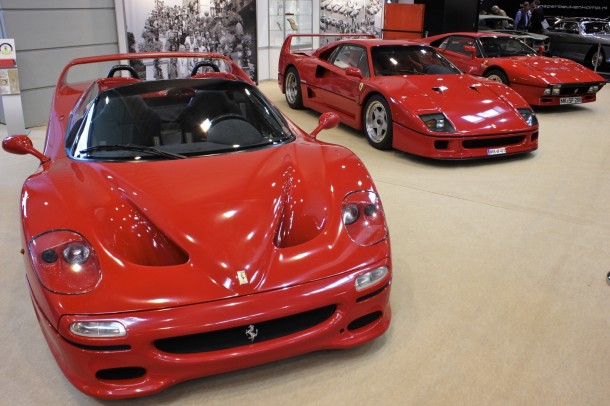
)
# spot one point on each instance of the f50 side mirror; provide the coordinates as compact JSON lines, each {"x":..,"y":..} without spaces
{"x":22,"y":145}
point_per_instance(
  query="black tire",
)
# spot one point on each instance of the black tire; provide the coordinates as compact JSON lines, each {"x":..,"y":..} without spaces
{"x":497,"y":75}
{"x":292,"y":89}
{"x":593,"y":61}
{"x":377,"y":122}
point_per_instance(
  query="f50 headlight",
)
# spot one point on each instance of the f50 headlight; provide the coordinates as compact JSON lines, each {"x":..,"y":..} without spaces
{"x":371,"y":278}
{"x":65,"y":262}
{"x":529,"y":116}
{"x":437,"y":122}
{"x":98,"y":329}
{"x":363,"y":218}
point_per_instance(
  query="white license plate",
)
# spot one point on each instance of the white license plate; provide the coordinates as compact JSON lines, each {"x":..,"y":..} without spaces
{"x":496,"y":151}
{"x":570,"y":100}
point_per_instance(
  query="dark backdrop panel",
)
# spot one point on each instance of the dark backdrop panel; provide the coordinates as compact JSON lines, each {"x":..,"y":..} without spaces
{"x":461,"y":15}
{"x":450,"y":15}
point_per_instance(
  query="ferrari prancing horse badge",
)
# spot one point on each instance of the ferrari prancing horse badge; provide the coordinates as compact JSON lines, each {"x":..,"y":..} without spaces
{"x":242,"y":277}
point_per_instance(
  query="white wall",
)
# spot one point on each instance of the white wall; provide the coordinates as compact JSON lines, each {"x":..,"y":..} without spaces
{"x":48,"y":34}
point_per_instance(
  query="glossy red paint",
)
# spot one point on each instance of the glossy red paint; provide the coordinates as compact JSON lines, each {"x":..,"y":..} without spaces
{"x":484,"y":114}
{"x":188,"y":247}
{"x":529,"y":75}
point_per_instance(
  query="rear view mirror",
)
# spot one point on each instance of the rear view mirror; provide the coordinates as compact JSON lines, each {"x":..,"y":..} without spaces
{"x":471,"y":49}
{"x":327,"y":120}
{"x":22,"y":145}
{"x":351,"y":71}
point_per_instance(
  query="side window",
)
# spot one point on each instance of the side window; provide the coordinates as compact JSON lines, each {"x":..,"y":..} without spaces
{"x":352,"y":56}
{"x":77,"y":116}
{"x":329,"y":54}
{"x":457,"y":44}
{"x":347,"y":56}
{"x":363,"y":64}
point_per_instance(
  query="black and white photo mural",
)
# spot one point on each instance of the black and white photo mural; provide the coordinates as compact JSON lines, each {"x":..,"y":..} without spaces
{"x":351,"y":16}
{"x":227,"y":27}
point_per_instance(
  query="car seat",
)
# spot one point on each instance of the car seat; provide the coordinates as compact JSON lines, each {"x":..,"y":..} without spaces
{"x":125,"y":120}
{"x":205,"y":105}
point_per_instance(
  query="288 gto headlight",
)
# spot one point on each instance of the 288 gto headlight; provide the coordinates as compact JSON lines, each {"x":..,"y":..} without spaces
{"x":593,"y":89}
{"x":65,"y":262}
{"x":363,"y":218}
{"x":529,"y":116}
{"x":437,"y":122}
{"x":552,"y":90}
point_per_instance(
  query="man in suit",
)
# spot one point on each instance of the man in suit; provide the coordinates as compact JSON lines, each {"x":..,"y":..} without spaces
{"x":537,"y":21}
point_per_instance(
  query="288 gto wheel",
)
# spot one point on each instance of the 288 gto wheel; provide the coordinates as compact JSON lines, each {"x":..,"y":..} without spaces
{"x":378,"y":123}
{"x":497,"y":75}
{"x":292,"y":86}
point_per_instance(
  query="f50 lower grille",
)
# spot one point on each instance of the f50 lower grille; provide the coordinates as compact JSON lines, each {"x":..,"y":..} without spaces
{"x":245,"y":335}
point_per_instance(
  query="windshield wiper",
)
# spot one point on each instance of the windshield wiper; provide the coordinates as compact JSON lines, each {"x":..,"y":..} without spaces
{"x":132,"y":147}
{"x":399,"y":72}
{"x":409,"y":72}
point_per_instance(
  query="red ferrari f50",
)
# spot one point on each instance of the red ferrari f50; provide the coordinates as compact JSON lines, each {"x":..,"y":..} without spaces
{"x":179,"y":228}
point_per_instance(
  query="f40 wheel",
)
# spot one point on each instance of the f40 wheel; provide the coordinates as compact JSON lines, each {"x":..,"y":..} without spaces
{"x":377,"y":122}
{"x":292,"y":86}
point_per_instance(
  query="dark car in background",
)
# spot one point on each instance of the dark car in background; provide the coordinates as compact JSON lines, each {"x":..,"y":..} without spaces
{"x":582,"y":39}
{"x":506,"y":25}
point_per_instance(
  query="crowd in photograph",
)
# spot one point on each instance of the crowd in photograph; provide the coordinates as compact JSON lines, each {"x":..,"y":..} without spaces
{"x":186,"y":29}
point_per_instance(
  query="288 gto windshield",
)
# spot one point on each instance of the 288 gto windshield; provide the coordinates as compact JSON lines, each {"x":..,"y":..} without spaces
{"x":495,"y":47}
{"x":171,"y":119}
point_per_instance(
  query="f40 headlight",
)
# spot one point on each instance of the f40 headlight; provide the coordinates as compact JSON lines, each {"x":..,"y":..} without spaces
{"x":529,"y":116}
{"x":437,"y":122}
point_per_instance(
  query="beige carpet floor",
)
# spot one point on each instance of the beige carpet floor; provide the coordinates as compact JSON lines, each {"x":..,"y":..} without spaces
{"x":499,"y":294}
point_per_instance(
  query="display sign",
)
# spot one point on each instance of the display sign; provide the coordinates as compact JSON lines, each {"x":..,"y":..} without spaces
{"x":7,"y":53}
{"x":9,"y":87}
{"x":9,"y":81}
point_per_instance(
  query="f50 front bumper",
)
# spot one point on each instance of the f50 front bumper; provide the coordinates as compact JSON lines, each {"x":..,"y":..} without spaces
{"x":167,"y":346}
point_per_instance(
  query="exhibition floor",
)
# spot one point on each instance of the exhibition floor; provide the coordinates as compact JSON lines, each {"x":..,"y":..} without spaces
{"x":499,"y":294}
